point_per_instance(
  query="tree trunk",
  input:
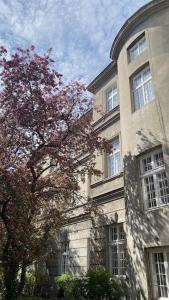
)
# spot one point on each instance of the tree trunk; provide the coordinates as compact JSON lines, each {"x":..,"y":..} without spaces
{"x":10,"y":271}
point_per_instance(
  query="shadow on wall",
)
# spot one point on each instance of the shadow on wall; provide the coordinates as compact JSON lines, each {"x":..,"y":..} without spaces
{"x":143,"y":228}
{"x":63,"y":258}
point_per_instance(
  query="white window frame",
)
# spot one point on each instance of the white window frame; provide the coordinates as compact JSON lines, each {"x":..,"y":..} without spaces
{"x":112,"y":97}
{"x":155,"y":286}
{"x":115,"y":154}
{"x":142,"y":85}
{"x":135,"y":50}
{"x":153,"y":171}
{"x":119,"y":242}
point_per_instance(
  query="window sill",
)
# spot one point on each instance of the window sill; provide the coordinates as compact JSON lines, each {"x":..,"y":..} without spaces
{"x":156,"y":208}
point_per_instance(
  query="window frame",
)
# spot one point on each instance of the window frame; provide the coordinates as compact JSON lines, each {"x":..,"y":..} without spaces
{"x":109,"y":155}
{"x":140,"y":73}
{"x":153,"y":172}
{"x":113,"y":89}
{"x":155,"y":286}
{"x":118,"y":242}
{"x":65,"y":258}
{"x":136,"y":45}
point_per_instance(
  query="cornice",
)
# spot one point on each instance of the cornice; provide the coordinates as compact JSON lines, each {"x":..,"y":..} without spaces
{"x":112,"y":178}
{"x":110,"y":196}
{"x":138,"y":17}
{"x":105,"y":122}
{"x":105,"y":75}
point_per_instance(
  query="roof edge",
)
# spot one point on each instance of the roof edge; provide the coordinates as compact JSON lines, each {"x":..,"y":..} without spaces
{"x":102,"y":77}
{"x":134,"y":20}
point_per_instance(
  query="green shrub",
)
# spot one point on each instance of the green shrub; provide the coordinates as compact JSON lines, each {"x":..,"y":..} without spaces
{"x":98,"y":284}
{"x":63,"y":279}
{"x":30,"y":278}
{"x":101,"y":285}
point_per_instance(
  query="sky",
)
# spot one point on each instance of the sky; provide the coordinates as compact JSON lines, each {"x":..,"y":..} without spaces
{"x":80,"y":32}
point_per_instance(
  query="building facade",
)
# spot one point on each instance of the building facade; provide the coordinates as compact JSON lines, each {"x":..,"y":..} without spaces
{"x":130,"y":235}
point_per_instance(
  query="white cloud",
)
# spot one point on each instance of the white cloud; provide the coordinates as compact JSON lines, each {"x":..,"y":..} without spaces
{"x":80,"y":31}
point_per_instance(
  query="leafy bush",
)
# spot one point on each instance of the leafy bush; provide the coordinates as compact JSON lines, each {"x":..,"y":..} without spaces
{"x":30,"y":278}
{"x":101,"y":285}
{"x":97,"y":284}
{"x":37,"y":283}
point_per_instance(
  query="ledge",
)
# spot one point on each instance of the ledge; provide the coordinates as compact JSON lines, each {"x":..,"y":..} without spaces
{"x":108,"y":179}
{"x":105,"y":122}
{"x":110,"y":196}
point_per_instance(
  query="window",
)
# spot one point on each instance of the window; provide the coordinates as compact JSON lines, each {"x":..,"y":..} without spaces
{"x":159,"y":259}
{"x":142,"y":89}
{"x":113,"y":159}
{"x":111,"y":98}
{"x":64,"y":257}
{"x":138,"y":47}
{"x":117,"y":250}
{"x":154,"y":180}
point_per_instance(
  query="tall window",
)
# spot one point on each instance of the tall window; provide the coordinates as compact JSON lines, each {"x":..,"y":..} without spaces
{"x":111,"y":98}
{"x":137,"y":48}
{"x":142,"y":89}
{"x":154,"y":180}
{"x":64,"y":257}
{"x":113,"y":159}
{"x":117,"y":250}
{"x":159,"y":259}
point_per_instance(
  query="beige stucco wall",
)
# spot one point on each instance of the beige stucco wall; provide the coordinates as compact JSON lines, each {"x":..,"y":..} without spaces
{"x":141,"y":130}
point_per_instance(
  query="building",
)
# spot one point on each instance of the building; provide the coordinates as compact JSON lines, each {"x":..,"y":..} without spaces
{"x":130,"y":236}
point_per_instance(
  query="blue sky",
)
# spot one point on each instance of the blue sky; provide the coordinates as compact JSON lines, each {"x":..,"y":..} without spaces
{"x":79,"y":31}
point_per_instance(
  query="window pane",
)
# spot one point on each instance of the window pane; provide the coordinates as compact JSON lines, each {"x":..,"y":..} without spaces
{"x":121,"y":233}
{"x":147,"y":164}
{"x":150,"y":192}
{"x":113,"y":159}
{"x":138,"y":98}
{"x":65,"y":257}
{"x":115,"y":264}
{"x":148,"y":92}
{"x":137,"y":82}
{"x":137,"y":48}
{"x":142,"y":88}
{"x":163,"y":188}
{"x":142,"y":45}
{"x":121,"y":255}
{"x":114,"y":233}
{"x":161,"y":275}
{"x":158,"y":159}
{"x":111,"y":99}
{"x":117,"y":250}
{"x":146,"y":74}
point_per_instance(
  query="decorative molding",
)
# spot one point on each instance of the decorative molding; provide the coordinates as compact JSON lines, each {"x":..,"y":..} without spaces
{"x":107,"y":123}
{"x":110,"y":196}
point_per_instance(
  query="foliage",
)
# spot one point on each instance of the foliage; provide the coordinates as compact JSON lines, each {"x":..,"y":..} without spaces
{"x":102,"y":285}
{"x":30,"y":278}
{"x":45,"y":126}
{"x":97,"y":284}
{"x":64,"y":278}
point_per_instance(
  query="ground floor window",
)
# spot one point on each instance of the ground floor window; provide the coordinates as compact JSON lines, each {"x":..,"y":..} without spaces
{"x":64,"y":257}
{"x":159,"y":259}
{"x":117,"y":250}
